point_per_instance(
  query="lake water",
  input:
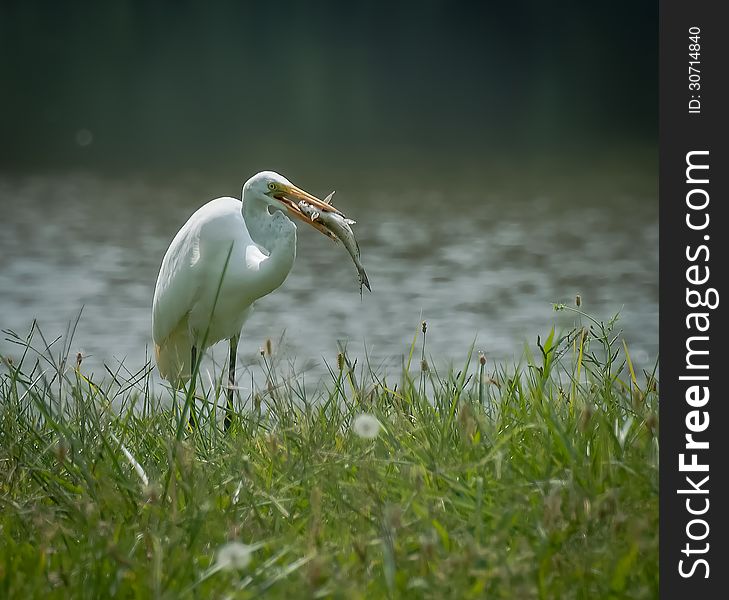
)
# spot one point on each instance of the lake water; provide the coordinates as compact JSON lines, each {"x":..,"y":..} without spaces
{"x":476,"y":264}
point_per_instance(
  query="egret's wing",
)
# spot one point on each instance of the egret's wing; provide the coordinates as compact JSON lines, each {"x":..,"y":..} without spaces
{"x":178,"y":285}
{"x":181,"y":280}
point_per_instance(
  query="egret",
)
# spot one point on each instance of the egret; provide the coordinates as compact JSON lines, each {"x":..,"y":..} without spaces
{"x":226,"y":256}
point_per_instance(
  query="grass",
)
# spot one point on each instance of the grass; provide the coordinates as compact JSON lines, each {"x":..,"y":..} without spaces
{"x":535,"y":481}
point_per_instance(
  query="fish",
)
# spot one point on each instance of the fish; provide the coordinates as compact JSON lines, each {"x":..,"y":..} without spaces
{"x":340,"y":226}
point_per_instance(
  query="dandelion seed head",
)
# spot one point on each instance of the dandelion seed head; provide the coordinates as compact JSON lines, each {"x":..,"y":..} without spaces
{"x":233,"y":555}
{"x":366,"y":426}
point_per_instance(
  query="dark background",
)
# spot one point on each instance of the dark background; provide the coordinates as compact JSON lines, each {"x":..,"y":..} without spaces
{"x":208,"y":87}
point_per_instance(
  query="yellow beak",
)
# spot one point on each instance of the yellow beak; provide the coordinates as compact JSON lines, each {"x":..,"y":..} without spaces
{"x":291,"y":195}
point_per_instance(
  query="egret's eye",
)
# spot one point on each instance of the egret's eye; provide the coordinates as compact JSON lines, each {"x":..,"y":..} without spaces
{"x":271,"y":186}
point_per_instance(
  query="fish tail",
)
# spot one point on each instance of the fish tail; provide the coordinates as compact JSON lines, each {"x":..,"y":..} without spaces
{"x":364,"y":280}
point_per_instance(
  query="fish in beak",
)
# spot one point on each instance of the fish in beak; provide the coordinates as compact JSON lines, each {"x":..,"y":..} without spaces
{"x":321,"y":215}
{"x":290,"y":196}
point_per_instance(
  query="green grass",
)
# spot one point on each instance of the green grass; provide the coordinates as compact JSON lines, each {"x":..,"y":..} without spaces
{"x":538,"y":480}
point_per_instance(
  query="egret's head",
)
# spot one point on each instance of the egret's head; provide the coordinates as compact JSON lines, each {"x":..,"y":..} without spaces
{"x":279,"y":193}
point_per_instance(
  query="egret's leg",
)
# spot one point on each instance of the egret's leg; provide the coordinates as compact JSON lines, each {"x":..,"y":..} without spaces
{"x":231,"y":381}
{"x":192,"y":419}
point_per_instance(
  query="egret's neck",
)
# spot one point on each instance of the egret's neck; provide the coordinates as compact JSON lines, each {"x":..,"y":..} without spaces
{"x":276,"y":234}
{"x":258,"y":221}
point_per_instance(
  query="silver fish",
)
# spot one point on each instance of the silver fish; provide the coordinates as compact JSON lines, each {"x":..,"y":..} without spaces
{"x":339,"y":225}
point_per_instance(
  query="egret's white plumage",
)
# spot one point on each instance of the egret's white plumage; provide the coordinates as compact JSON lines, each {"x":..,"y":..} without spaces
{"x":227,"y":255}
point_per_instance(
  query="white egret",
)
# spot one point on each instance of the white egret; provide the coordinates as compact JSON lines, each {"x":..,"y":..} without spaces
{"x":226,"y":256}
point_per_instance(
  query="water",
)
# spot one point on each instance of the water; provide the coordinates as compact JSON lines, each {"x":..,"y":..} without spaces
{"x":477,"y":265}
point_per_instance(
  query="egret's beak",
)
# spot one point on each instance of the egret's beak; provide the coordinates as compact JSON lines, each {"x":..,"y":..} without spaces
{"x":291,"y":195}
